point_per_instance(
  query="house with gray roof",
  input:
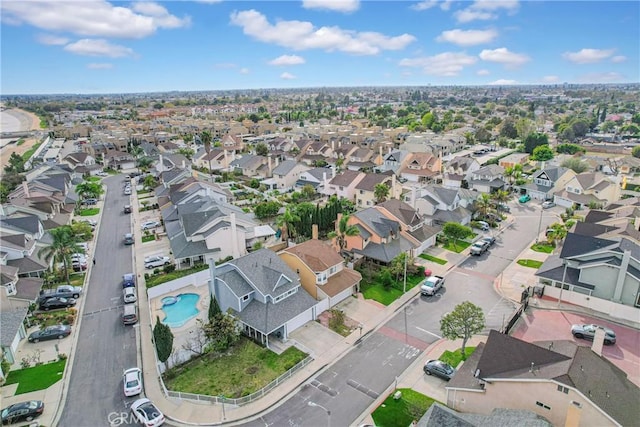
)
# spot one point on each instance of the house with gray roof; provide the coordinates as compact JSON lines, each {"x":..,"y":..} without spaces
{"x":546,"y":182}
{"x":459,"y":169}
{"x":439,"y":415}
{"x":264,"y":294}
{"x":438,"y":204}
{"x":13,"y":331}
{"x":487,"y":179}
{"x":344,"y":184}
{"x":250,"y":165}
{"x":318,"y":178}
{"x":602,"y":274}
{"x":562,"y":381}
{"x":287,"y":173}
{"x":588,"y":188}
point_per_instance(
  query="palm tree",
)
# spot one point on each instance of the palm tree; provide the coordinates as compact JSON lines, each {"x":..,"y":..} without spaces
{"x":206,"y":138}
{"x":500,"y":197}
{"x":557,"y":234}
{"x":381,"y":192}
{"x":482,"y":203}
{"x":287,"y":222}
{"x":344,"y":230}
{"x":64,"y":244}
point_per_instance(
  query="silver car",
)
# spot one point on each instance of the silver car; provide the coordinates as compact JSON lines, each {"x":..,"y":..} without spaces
{"x":588,"y":332}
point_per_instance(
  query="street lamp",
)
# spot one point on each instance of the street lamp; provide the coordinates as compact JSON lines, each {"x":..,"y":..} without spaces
{"x":310,"y":403}
{"x":539,"y":224}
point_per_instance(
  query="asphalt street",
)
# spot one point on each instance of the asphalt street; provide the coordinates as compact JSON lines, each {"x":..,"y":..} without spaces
{"x":105,"y":346}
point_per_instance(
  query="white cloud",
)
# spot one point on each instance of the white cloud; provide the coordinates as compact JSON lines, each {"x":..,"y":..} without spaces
{"x":618,"y":58}
{"x":504,"y":82}
{"x":551,"y":79}
{"x":287,"y":60}
{"x":337,"y":5}
{"x":609,"y":77}
{"x":588,"y":56}
{"x":485,"y":10}
{"x":447,"y":64}
{"x":504,"y":56}
{"x":287,"y":76}
{"x":97,"y":18}
{"x":428,"y":4}
{"x":302,"y":35}
{"x":52,"y":40}
{"x":98,"y":47}
{"x":467,"y":37}
{"x":244,"y":71}
{"x":99,"y":66}
{"x":483,"y":72}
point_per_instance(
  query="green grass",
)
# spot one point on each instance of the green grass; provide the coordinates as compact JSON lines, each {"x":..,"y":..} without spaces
{"x":433,"y":259}
{"x":27,"y":154}
{"x":542,"y":247}
{"x":20,"y":142}
{"x":89,"y":212}
{"x":244,"y":369}
{"x":144,"y":191}
{"x":454,"y":358}
{"x":55,"y":317}
{"x":148,"y":238}
{"x":93,"y":179}
{"x":532,"y":263}
{"x":377,"y":292}
{"x":37,"y":377}
{"x":402,"y":412}
{"x":460,"y":246}
{"x":160,"y":278}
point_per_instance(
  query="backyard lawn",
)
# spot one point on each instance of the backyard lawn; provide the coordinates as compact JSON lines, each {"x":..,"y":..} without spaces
{"x":433,"y":259}
{"x":402,"y":412}
{"x":242,"y":370}
{"x":377,"y":292}
{"x":162,"y":277}
{"x":532,"y":263}
{"x":37,"y":377}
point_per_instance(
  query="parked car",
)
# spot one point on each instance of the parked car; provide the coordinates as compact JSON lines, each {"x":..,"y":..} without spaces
{"x":156,"y":261}
{"x":127,"y":191}
{"x":147,"y":413}
{"x":90,"y":202}
{"x":50,"y":333}
{"x":479,"y":247}
{"x":548,"y":204}
{"x":129,"y":294}
{"x":57,"y":302}
{"x":147,"y":225}
{"x":64,"y":291}
{"x":91,"y":222}
{"x":128,"y":280}
{"x":489,"y":239}
{"x":132,"y":382}
{"x":588,"y":332}
{"x":431,"y":285}
{"x":524,"y":198}
{"x":128,"y":239}
{"x":127,"y":209}
{"x":23,"y":411}
{"x":130,"y":314}
{"x":439,"y":369}
{"x":503,"y":207}
{"x":483,"y":225}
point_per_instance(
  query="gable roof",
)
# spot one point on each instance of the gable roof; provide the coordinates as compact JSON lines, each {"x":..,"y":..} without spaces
{"x":576,"y":244}
{"x":552,"y":173}
{"x":10,"y":321}
{"x":317,"y":255}
{"x":285,"y":167}
{"x":402,"y":211}
{"x":345,"y":178}
{"x":28,"y":223}
{"x":370,"y":180}
{"x":267,"y":272}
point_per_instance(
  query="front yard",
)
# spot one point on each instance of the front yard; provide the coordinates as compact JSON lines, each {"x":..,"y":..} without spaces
{"x":89,"y":212}
{"x":531,"y":263}
{"x":375,"y":290}
{"x":244,"y":369}
{"x":36,"y":378}
{"x":401,"y":412}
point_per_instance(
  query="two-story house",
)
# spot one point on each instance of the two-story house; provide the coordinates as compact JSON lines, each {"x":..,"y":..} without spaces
{"x":393,"y":161}
{"x":322,"y":271}
{"x":344,"y":184}
{"x":365,"y":188}
{"x":287,"y":173}
{"x":82,"y":163}
{"x":548,"y":181}
{"x":487,"y":179}
{"x":439,"y":205}
{"x":587,"y":189}
{"x":421,"y":167}
{"x":264,"y":294}
{"x":360,"y":159}
{"x":318,"y":178}
{"x":22,"y":253}
{"x":458,"y":171}
{"x":251,"y":165}
{"x":216,"y":159}
{"x":231,"y":142}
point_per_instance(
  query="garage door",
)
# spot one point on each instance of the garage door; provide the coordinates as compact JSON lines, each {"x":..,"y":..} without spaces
{"x":299,"y":320}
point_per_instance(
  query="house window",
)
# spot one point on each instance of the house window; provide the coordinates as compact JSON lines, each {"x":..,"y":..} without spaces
{"x":246,"y":297}
{"x":542,"y":405}
{"x":341,"y":188}
{"x":563,"y":389}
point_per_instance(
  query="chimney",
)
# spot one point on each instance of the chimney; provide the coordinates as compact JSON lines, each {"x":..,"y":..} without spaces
{"x":333,"y":172}
{"x":226,"y":159}
{"x":184,"y":164}
{"x":598,"y":341}
{"x":314,"y":231}
{"x":380,"y":151}
{"x":389,"y":150}
{"x":160,"y":167}
{"x":277,"y":161}
{"x":234,"y":237}
{"x":333,"y":145}
{"x":393,"y":187}
{"x":413,"y":197}
{"x":25,"y":188}
{"x":270,"y":166}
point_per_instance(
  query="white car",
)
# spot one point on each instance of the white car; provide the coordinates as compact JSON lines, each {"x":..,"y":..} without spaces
{"x":149,"y":224}
{"x":156,"y":261}
{"x":547,"y":205}
{"x":129,"y":294}
{"x":127,"y":191}
{"x":147,"y":413}
{"x":132,"y":381}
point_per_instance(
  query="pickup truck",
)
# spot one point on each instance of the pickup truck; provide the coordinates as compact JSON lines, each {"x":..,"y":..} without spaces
{"x":431,"y":285}
{"x":62,"y":291}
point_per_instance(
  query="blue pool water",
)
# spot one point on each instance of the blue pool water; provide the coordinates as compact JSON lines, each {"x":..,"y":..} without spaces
{"x":180,"y":309}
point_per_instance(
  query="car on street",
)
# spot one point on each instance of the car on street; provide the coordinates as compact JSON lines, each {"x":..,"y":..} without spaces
{"x":588,"y":332}
{"x":127,"y":191}
{"x":128,"y":239}
{"x":23,"y":411}
{"x":128,"y":280}
{"x":127,"y":209}
{"x":148,"y":225}
{"x":90,"y":202}
{"x":132,"y":382}
{"x":147,"y":413}
{"x":483,"y":225}
{"x":524,"y":198}
{"x":129,"y":294}
{"x":548,"y":204}
{"x":156,"y":261}
{"x":50,"y":333}
{"x":431,"y":285}
{"x":490,"y":240}
{"x":479,"y":247}
{"x":439,"y":369}
{"x":57,"y":302}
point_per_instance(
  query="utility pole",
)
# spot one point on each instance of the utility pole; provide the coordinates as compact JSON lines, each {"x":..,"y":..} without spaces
{"x":404,"y":289}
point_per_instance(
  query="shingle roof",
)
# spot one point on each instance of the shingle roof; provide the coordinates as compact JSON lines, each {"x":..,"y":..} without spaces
{"x":576,"y":244}
{"x":403,"y":211}
{"x":369,"y":182}
{"x":267,"y":272}
{"x":345,"y":178}
{"x":10,"y":321}
{"x":379,"y":223}
{"x":317,"y":255}
{"x":285,"y":167}
{"x":28,"y":223}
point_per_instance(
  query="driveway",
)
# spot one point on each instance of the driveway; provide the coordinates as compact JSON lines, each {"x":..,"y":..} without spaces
{"x":545,"y":325}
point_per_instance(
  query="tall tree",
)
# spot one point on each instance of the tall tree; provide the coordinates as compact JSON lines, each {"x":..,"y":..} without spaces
{"x":206,"y":138}
{"x":64,"y":243}
{"x":464,"y":321}
{"x":89,"y":189}
{"x":381,"y":192}
{"x":344,"y":230}
{"x":287,"y":221}
{"x":455,"y":232}
{"x":482,"y":203}
{"x":222,"y":331}
{"x":500,"y":197}
{"x":163,"y":338}
{"x":534,"y":140}
{"x":214,"y":308}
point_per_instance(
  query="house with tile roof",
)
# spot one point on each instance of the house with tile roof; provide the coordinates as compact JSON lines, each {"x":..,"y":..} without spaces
{"x":546,"y":182}
{"x":344,"y":184}
{"x":566,"y":383}
{"x":264,"y":294}
{"x":586,"y":189}
{"x":365,"y":188}
{"x":322,"y":271}
{"x":421,"y":168}
{"x":459,"y":169}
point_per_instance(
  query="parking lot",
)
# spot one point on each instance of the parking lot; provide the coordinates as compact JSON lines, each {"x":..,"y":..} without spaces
{"x":545,"y":325}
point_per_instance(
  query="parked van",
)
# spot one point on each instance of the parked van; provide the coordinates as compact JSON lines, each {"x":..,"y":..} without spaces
{"x":130,"y":314}
{"x":129,"y":295}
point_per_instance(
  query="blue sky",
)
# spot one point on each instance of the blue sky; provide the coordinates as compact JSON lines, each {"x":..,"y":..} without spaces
{"x":112,"y":47}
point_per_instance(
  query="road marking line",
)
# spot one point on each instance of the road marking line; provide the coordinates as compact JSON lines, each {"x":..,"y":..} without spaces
{"x":427,"y":332}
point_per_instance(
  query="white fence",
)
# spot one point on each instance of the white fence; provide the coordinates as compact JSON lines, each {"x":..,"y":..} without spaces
{"x":610,"y":308}
{"x":201,"y":278}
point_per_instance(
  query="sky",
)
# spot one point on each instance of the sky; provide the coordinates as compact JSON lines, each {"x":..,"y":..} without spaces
{"x":98,"y":46}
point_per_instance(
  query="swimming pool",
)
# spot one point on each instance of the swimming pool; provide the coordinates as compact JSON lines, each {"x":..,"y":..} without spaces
{"x":179,"y":309}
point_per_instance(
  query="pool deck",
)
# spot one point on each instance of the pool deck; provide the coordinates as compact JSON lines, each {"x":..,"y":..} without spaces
{"x":203,"y":305}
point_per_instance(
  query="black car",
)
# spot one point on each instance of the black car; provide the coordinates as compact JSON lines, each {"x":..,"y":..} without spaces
{"x":490,"y":240}
{"x":50,"y":333}
{"x":23,"y":411}
{"x":128,"y":280}
{"x":439,"y":369}
{"x":57,"y":302}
